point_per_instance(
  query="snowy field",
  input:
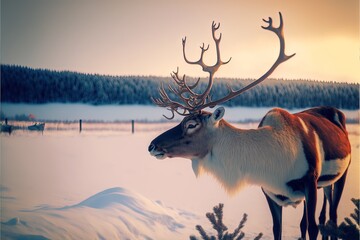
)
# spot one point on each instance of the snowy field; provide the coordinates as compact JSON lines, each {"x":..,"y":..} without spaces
{"x":74,"y":112}
{"x":105,"y":185}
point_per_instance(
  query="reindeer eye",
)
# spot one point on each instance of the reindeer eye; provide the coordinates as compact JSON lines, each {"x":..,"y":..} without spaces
{"x":191,"y":125}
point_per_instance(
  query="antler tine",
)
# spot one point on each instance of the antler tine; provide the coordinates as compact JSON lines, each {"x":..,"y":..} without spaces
{"x":200,"y":61}
{"x":203,"y":48}
{"x":229,"y":88}
{"x":214,"y":26}
{"x":175,"y":91}
{"x":182,"y":88}
{"x":201,"y":99}
{"x":195,"y":84}
{"x":269,"y":22}
{"x":179,"y":93}
{"x":219,"y":62}
{"x":163,"y":94}
{"x":165,"y":101}
{"x":175,"y":76}
{"x":281,"y":58}
{"x":279,"y":31}
{"x":172,"y":114}
{"x":182,"y":85}
{"x":217,"y":42}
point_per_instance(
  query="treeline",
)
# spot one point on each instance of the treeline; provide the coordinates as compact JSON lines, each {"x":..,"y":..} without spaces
{"x":26,"y":85}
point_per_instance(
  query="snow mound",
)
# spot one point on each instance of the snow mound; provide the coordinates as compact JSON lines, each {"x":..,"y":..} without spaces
{"x":114,"y":213}
{"x":127,"y":200}
{"x":109,"y":197}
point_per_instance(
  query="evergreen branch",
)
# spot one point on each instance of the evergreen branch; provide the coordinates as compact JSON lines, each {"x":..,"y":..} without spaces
{"x":347,"y":230}
{"x":258,"y":236}
{"x":241,"y":236}
{"x":238,"y":229}
{"x":202,"y":232}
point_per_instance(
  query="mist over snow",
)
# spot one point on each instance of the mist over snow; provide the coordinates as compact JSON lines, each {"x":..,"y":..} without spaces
{"x":74,"y":112}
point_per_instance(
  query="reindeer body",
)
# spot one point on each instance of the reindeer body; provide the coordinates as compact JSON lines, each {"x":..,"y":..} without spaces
{"x":279,"y":154}
{"x":289,"y":155}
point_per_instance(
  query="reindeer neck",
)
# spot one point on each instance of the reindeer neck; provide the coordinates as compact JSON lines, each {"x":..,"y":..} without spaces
{"x":239,"y":156}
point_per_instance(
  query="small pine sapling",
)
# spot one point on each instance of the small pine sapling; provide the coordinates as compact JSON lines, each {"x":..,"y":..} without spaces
{"x":216,"y":219}
{"x":348,"y":230}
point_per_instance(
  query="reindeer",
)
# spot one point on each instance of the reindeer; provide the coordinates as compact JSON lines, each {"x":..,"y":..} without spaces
{"x":289,"y":155}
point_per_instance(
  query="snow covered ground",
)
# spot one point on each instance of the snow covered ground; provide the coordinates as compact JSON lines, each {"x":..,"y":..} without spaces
{"x":114,"y":213}
{"x":96,"y":185}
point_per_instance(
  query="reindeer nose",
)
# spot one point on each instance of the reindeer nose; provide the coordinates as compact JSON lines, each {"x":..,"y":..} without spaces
{"x":151,"y":147}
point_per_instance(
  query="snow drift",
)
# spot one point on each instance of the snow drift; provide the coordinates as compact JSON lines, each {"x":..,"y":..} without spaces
{"x":115,"y":213}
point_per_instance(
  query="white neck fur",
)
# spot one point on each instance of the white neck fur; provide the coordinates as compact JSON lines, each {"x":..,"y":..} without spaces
{"x":250,"y":156}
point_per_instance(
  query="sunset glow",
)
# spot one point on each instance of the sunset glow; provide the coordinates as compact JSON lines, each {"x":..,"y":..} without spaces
{"x":144,"y":37}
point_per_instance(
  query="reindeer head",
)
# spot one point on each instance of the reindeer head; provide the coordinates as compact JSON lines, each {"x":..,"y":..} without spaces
{"x":194,"y":136}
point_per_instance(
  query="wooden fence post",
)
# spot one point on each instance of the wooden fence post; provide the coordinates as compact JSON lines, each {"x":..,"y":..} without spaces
{"x":132,"y":126}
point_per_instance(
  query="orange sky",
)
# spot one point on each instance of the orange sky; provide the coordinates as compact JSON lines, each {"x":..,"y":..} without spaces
{"x":144,"y":37}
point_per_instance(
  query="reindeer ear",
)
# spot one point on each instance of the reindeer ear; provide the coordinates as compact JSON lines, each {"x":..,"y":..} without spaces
{"x":218,"y":114}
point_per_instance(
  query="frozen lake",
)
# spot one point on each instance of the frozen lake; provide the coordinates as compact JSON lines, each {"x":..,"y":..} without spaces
{"x":104,"y":185}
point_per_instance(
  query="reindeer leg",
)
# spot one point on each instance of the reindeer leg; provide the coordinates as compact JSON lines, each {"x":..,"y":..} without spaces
{"x":322,"y":217}
{"x":304,"y":223}
{"x":310,"y":198}
{"x":338,"y":189}
{"x":327,"y":197}
{"x":276,"y":213}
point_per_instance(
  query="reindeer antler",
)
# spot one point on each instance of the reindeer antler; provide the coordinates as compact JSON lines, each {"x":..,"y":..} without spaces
{"x":194,"y":102}
{"x":279,"y":31}
{"x":191,"y":100}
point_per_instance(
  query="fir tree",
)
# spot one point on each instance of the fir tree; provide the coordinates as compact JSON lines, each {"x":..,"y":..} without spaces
{"x":216,"y":219}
